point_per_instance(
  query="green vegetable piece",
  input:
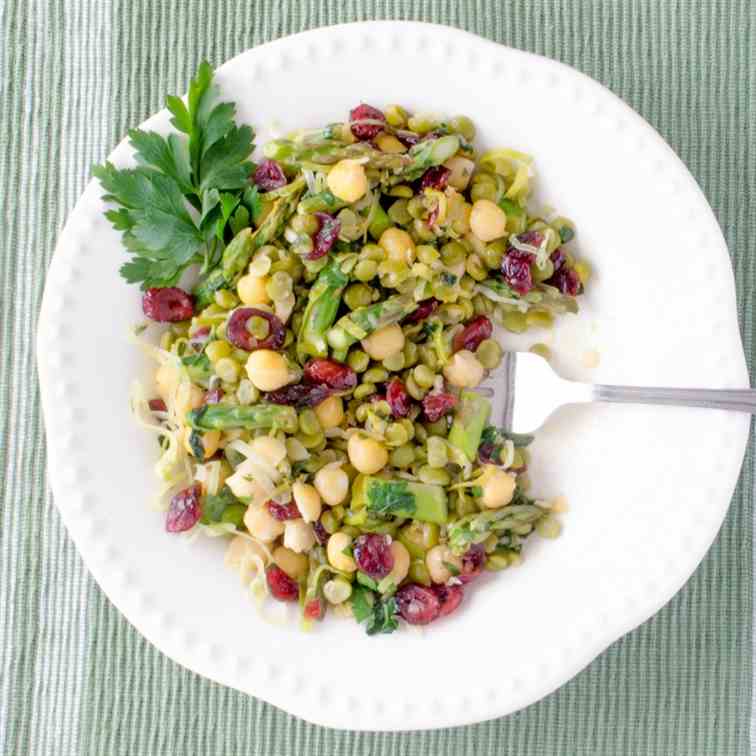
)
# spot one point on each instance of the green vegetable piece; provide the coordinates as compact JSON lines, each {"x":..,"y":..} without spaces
{"x":215,"y":506}
{"x":364,"y":320}
{"x":402,"y":498}
{"x":426,"y":154}
{"x":322,"y":202}
{"x":517,"y":218}
{"x":198,"y":367}
{"x":362,"y":601}
{"x":196,"y":445}
{"x":225,"y":416}
{"x":322,"y":304}
{"x":379,"y":615}
{"x":470,"y":419}
{"x":379,"y":222}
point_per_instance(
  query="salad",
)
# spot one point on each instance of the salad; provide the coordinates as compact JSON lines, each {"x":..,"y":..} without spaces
{"x":317,"y":397}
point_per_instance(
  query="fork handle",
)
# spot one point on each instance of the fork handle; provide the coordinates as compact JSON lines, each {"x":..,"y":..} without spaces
{"x":737,"y":400}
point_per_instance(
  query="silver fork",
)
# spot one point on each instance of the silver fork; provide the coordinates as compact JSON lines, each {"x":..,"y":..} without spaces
{"x":535,"y":391}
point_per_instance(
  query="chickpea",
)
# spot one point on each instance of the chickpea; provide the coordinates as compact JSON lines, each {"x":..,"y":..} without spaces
{"x":389,"y":143}
{"x":398,"y":245}
{"x":330,"y":412}
{"x":487,"y":220}
{"x":337,"y":544}
{"x":307,"y":499}
{"x":461,"y":170}
{"x":366,"y":454}
{"x":210,"y":442}
{"x":293,"y":564}
{"x":262,"y":525}
{"x":298,"y":536}
{"x":464,"y":370}
{"x":437,"y":559}
{"x":252,"y":290}
{"x":384,"y":342}
{"x":267,"y":370}
{"x":401,"y":563}
{"x":498,"y":488}
{"x":347,"y":180}
{"x":332,"y":483}
{"x":240,"y":556}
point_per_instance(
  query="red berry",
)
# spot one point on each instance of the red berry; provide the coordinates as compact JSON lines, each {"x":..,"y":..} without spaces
{"x":398,"y":398}
{"x":300,"y":395}
{"x":314,"y":609}
{"x":567,"y":281}
{"x":185,"y":509}
{"x":472,"y":562}
{"x":199,"y":338}
{"x":435,"y":178}
{"x":366,"y":131}
{"x":558,"y":258}
{"x":449,"y":597}
{"x":436,"y":406}
{"x":157,"y":405}
{"x":238,"y":334}
{"x":281,"y":585}
{"x":475,"y":330}
{"x":320,"y":532}
{"x":516,"y":269}
{"x":372,"y":553}
{"x":283,"y":511}
{"x":408,"y":138}
{"x":335,"y":375}
{"x":269,"y":175}
{"x":326,"y":235}
{"x":169,"y":305}
{"x":213,"y":396}
{"x":424,"y":310}
{"x":417,"y":605}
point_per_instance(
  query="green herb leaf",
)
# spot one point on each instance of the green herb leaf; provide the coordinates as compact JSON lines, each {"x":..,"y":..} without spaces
{"x":383,"y":619}
{"x":366,"y":580}
{"x":452,"y":568}
{"x":388,"y":498}
{"x":215,"y":505}
{"x":362,"y":603}
{"x":198,"y":448}
{"x":169,"y":155}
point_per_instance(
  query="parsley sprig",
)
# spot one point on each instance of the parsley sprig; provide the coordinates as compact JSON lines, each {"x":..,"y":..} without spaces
{"x":188,"y":189}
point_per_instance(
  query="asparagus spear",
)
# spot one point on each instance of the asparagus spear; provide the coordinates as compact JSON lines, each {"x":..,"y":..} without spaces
{"x":239,"y":252}
{"x":322,"y":303}
{"x":470,"y":418}
{"x":400,"y":498}
{"x":322,"y":202}
{"x":364,"y":320}
{"x":225,"y":416}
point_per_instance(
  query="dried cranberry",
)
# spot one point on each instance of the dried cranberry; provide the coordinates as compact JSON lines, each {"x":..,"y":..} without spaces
{"x":169,"y":305}
{"x":436,"y":406}
{"x":213,"y":396}
{"x":398,"y":398}
{"x":476,"y":330}
{"x":300,"y":395}
{"x":558,"y":258}
{"x":488,"y":454}
{"x":372,"y":553}
{"x":435,"y":178}
{"x":408,"y":138}
{"x":314,"y":609}
{"x":185,"y":509}
{"x":281,"y":585}
{"x":516,"y":269}
{"x":335,"y":375}
{"x":417,"y":605}
{"x":199,"y":338}
{"x":534,"y":238}
{"x":238,"y":334}
{"x":157,"y":405}
{"x":283,"y":511}
{"x":320,"y":532}
{"x":373,"y":398}
{"x":326,"y":235}
{"x":269,"y":175}
{"x":567,"y":281}
{"x":424,"y":310}
{"x":449,"y":597}
{"x":366,"y":131}
{"x":472,"y":562}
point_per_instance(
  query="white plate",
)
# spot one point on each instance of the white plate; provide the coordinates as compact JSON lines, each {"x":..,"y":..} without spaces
{"x":648,"y":487}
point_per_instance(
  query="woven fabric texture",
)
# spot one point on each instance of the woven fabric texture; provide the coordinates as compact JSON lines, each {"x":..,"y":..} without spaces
{"x":75,"y":678}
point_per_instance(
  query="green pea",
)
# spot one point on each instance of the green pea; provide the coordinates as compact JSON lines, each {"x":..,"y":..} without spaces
{"x":226,"y":299}
{"x":403,"y":456}
{"x":310,"y":441}
{"x":539,"y":318}
{"x":444,"y":292}
{"x":451,"y":314}
{"x":422,"y":231}
{"x":394,"y":362}
{"x":410,"y":353}
{"x":339,"y":512}
{"x":439,"y":428}
{"x":305,"y":223}
{"x":372,"y":252}
{"x":424,"y":376}
{"x":358,"y":360}
{"x":396,"y":116}
{"x":438,"y":453}
{"x":399,"y":214}
{"x":453,"y":253}
{"x":413,"y":389}
{"x":483,"y":187}
{"x":475,"y":268}
{"x":375,"y":375}
{"x":358,"y":295}
{"x":541,"y":274}
{"x":514,"y":321}
{"x":365,"y":270}
{"x":497,"y":561}
{"x":416,"y":207}
{"x":400,"y":190}
{"x":542,"y":350}
{"x":309,"y":423}
{"x":418,"y":572}
{"x":364,"y":390}
{"x":422,"y":124}
{"x":420,"y":433}
{"x":438,"y":477}
{"x":396,"y":435}
{"x":302,"y":247}
{"x":463,"y":125}
{"x":428,"y":357}
{"x":548,"y":527}
{"x":489,"y":354}
{"x":427,"y":254}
